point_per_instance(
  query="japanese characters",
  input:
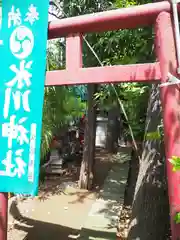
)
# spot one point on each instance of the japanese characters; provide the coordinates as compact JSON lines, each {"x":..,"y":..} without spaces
{"x":17,"y":106}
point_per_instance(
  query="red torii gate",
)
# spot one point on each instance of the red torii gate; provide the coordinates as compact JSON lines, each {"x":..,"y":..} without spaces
{"x":157,"y":14}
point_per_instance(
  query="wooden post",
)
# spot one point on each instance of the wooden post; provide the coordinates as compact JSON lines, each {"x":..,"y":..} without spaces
{"x":170,"y":95}
{"x":3,"y":215}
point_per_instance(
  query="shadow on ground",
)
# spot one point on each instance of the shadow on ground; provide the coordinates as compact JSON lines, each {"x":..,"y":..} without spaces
{"x":39,"y":230}
{"x":57,"y":184}
{"x":101,"y":222}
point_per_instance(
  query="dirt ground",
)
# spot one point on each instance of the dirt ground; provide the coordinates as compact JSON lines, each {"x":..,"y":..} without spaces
{"x":61,"y":208}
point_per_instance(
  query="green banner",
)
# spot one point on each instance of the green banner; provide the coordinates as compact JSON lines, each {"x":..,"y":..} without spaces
{"x":24,"y":35}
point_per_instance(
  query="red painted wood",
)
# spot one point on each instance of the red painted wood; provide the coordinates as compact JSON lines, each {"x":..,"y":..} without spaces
{"x":115,"y":74}
{"x":3,"y":215}
{"x":73,"y":52}
{"x":170,"y":96}
{"x":131,"y":17}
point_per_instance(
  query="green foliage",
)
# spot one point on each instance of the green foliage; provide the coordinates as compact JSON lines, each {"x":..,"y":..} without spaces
{"x":112,"y":48}
{"x":123,"y":47}
{"x":153,"y":136}
{"x":135,"y":103}
{"x":157,"y":135}
{"x":61,"y":106}
{"x":177,"y":218}
{"x":132,"y":96}
{"x":69,"y":8}
{"x":175,"y":162}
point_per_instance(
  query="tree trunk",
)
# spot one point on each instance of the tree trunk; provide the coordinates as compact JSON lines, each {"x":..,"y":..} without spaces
{"x":150,"y":210}
{"x":132,"y":177}
{"x":87,"y":165}
{"x":112,"y":130}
